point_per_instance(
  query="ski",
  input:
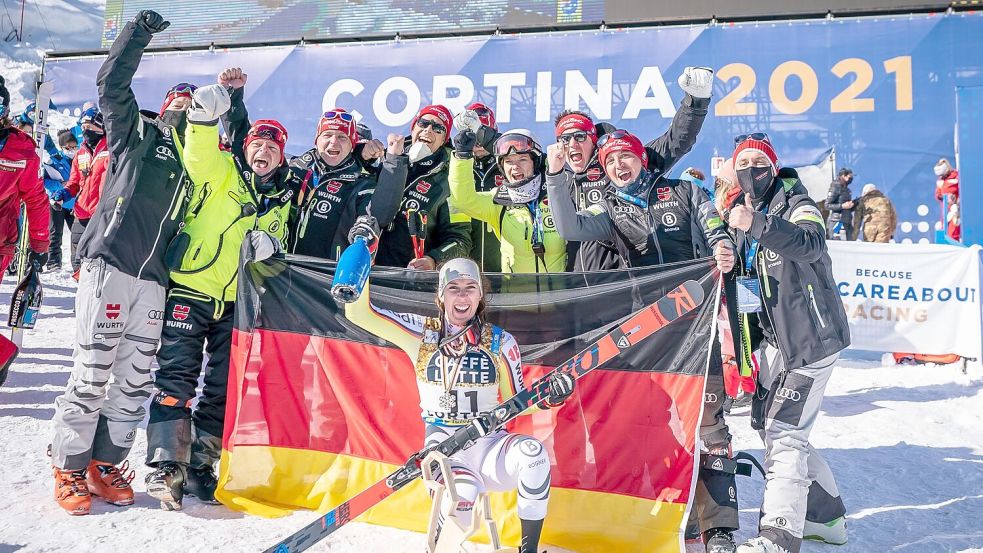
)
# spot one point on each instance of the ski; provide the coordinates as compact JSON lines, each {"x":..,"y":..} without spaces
{"x":678,"y":302}
{"x":41,"y":104}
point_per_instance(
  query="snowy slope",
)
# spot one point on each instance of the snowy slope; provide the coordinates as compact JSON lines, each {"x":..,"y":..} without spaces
{"x":905,"y":443}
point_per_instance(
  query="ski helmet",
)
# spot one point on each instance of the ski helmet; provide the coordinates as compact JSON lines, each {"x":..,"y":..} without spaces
{"x":518,"y":141}
{"x":92,"y":116}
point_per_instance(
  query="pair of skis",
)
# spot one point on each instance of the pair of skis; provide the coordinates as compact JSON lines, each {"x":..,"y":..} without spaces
{"x":678,"y":302}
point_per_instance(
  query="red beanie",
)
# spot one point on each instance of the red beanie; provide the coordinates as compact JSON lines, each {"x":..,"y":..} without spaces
{"x":441,"y":113}
{"x":764,"y":146}
{"x":268,"y":129}
{"x":577,"y":122}
{"x":485,"y":114}
{"x":336,"y":123}
{"x":621,"y":141}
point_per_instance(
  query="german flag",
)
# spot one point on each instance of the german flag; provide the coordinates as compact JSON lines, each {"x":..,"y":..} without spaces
{"x":318,"y":409}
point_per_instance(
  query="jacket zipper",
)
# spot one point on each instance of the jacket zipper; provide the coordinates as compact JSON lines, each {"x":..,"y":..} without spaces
{"x":114,"y":218}
{"x":815,"y":307}
{"x":173,"y":211}
{"x":764,"y":277}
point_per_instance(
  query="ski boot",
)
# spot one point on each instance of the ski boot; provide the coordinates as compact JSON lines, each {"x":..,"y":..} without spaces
{"x":760,"y":545}
{"x":110,"y":483}
{"x":167,"y":485}
{"x":201,"y":483}
{"x":832,"y":532}
{"x":719,"y":540}
{"x":71,"y":492}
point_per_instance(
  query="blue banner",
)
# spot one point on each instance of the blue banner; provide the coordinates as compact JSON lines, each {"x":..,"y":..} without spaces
{"x":881,"y":91}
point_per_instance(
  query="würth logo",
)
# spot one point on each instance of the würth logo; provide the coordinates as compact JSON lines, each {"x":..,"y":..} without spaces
{"x":112,"y":311}
{"x":664,"y":193}
{"x":422,"y":187}
{"x":333,"y":186}
{"x":594,"y":173}
{"x":180,"y":312}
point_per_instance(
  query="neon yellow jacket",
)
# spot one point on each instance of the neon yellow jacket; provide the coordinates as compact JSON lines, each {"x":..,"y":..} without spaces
{"x":223,"y":208}
{"x":513,"y":224}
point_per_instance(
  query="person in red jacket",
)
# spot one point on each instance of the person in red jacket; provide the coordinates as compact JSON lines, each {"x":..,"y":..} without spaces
{"x":947,"y":193}
{"x":88,"y":174}
{"x":20,"y":181}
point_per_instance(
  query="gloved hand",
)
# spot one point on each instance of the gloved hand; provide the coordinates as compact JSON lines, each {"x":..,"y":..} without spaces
{"x":561,"y":387}
{"x":208,"y":103}
{"x":61,"y":195}
{"x":486,"y":137}
{"x":265,"y":246}
{"x":464,"y":143}
{"x":697,"y":81}
{"x":39,"y":257}
{"x":151,"y":21}
{"x":367,"y":226}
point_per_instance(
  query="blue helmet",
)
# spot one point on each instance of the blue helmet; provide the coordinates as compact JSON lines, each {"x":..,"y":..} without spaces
{"x":92,"y":116}
{"x":27,"y":116}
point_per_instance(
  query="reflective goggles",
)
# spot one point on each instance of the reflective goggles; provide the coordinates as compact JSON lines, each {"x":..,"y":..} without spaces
{"x":512,"y":143}
{"x":620,"y":133}
{"x":269,"y":132}
{"x":753,"y":136}
{"x":343,"y":115}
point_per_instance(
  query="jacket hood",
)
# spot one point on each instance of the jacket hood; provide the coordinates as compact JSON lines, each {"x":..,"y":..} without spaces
{"x":18,"y":146}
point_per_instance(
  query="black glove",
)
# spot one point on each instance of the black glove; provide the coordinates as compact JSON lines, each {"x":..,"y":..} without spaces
{"x":152,"y":21}
{"x":464,"y":143}
{"x":40,"y":258}
{"x":561,"y":387}
{"x":366,"y":226}
{"x":486,"y":137}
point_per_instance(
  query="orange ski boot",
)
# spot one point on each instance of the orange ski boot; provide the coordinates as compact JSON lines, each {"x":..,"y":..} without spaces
{"x":112,"y":484}
{"x":71,"y":492}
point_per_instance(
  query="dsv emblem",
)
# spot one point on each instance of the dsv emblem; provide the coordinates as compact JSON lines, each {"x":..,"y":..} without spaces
{"x":789,"y":394}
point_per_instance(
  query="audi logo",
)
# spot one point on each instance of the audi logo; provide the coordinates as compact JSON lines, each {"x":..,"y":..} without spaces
{"x":789,"y":394}
{"x":155,"y":315}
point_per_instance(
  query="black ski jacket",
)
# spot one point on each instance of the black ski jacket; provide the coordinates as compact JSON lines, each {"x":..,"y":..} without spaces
{"x":146,"y":189}
{"x":592,"y":184}
{"x":803,"y":314}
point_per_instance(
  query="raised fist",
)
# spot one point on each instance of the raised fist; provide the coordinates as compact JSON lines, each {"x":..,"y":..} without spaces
{"x":697,"y":81}
{"x":152,"y":21}
{"x":208,"y":103}
{"x":232,"y":77}
{"x":464,"y":143}
{"x":555,"y":158}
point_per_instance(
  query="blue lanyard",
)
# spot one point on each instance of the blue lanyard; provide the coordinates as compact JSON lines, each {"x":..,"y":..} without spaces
{"x":629,"y":198}
{"x":537,"y":221}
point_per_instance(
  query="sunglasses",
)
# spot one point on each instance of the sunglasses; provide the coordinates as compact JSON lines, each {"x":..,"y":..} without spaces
{"x":612,"y":135}
{"x":343,"y":115}
{"x":579,"y":136}
{"x":515,"y":144}
{"x":753,"y":136}
{"x":426,"y":123}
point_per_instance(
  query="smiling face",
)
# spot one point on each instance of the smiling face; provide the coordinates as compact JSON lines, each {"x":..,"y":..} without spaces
{"x":461,"y":299}
{"x":429,"y":135}
{"x":263,"y":156}
{"x":517,"y":167}
{"x":333,"y":146}
{"x":622,"y":168}
{"x":578,"y":154}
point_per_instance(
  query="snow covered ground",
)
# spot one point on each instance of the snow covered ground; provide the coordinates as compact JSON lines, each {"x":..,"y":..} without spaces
{"x":905,"y":443}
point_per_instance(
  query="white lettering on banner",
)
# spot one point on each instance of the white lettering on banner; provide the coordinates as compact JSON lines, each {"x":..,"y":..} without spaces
{"x":650,"y":79}
{"x":918,"y":298}
{"x":648,"y":93}
{"x":503,"y":84}
{"x":598,"y":101}
{"x":442,"y":84}
{"x":344,"y":86}
{"x":381,"y":96}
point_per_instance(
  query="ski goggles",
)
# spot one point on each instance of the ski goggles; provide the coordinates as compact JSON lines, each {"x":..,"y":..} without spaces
{"x":614,"y":135}
{"x":343,"y":115}
{"x":513,"y":143}
{"x":578,"y":136}
{"x":753,"y":136}
{"x":426,"y":123}
{"x":269,"y":132}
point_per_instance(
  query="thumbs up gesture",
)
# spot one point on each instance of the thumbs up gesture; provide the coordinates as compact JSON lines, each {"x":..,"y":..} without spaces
{"x":741,"y":216}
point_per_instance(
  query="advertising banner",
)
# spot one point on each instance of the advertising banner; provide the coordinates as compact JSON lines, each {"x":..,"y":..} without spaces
{"x":912,"y":298}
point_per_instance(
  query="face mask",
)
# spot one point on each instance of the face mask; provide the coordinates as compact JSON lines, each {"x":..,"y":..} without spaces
{"x":69,"y":154}
{"x":418,"y":151}
{"x":848,"y":181}
{"x":755,"y":181}
{"x":176,"y":119}
{"x":92,"y":136}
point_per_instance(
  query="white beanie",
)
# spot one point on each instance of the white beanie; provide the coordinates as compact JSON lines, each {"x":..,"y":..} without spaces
{"x":457,"y":268}
{"x":868,"y":188}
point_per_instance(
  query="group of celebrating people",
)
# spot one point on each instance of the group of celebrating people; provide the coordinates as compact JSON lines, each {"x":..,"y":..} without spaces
{"x":176,"y":201}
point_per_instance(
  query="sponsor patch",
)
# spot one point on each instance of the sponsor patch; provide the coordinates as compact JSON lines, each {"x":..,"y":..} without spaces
{"x":180,"y":312}
{"x":112,"y":311}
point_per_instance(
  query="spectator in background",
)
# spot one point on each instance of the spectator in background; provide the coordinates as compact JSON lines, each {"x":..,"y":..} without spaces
{"x":878,"y":218}
{"x":697,"y":177}
{"x":88,"y":175}
{"x":839,"y":202}
{"x":57,"y":170}
{"x":486,"y":246}
{"x":947,"y":193}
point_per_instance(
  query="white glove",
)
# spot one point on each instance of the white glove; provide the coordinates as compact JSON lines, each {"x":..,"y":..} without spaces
{"x":697,"y":81}
{"x":208,"y":103}
{"x":468,"y":119}
{"x":264,"y":245}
